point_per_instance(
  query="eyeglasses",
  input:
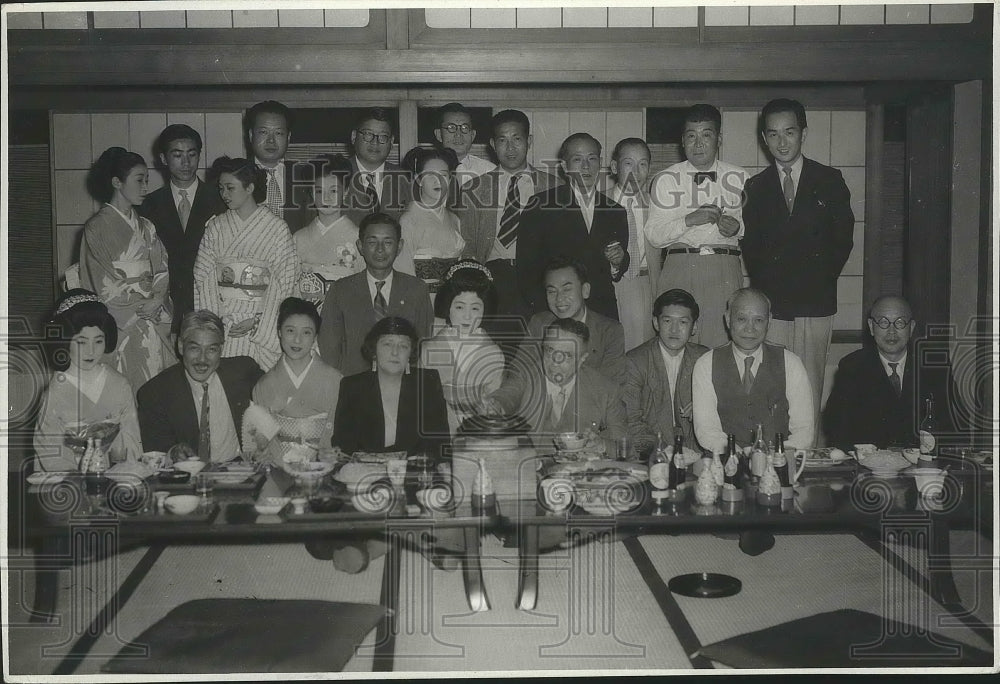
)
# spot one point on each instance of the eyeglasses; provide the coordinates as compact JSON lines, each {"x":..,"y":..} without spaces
{"x":558,"y":355}
{"x":369,"y":136}
{"x":452,"y":127}
{"x":884,"y":323}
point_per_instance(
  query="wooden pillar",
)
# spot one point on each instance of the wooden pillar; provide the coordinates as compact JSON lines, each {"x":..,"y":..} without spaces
{"x":871,"y":286}
{"x":927,"y":272}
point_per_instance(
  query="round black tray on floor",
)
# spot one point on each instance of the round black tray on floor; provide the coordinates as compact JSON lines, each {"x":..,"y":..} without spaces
{"x":705,"y":585}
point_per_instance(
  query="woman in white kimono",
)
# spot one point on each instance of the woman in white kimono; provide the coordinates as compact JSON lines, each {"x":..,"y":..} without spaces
{"x":432,"y":237}
{"x":246,"y":264}
{"x":295,"y":401}
{"x":469,"y":362}
{"x":85,"y":397}
{"x":123,"y":261}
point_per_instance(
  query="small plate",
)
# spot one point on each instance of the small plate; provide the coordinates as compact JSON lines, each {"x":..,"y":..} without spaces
{"x":47,"y":478}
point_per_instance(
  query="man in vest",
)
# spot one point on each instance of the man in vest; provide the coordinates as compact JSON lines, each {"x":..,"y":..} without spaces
{"x":748,"y":382}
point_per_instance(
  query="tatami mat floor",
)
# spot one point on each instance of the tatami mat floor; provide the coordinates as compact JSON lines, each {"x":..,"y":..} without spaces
{"x":594,"y":611}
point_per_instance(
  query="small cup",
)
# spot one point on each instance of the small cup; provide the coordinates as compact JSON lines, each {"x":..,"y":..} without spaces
{"x":204,"y":486}
{"x":396,"y":470}
{"x":623,"y":448}
{"x":160,"y":498}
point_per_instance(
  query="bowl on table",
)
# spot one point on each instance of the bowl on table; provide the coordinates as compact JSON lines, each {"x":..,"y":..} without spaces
{"x":570,"y":441}
{"x":912,"y":455}
{"x":270,"y":505}
{"x":173,"y":476}
{"x":192,"y":466}
{"x":181,"y":504}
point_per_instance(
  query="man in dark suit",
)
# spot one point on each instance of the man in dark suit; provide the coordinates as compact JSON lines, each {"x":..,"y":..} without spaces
{"x":798,"y":233}
{"x":657,"y":385}
{"x":878,"y":391}
{"x":355,"y":303}
{"x":557,"y":392}
{"x":566,"y":292}
{"x":579,"y":222}
{"x":199,"y":401}
{"x":491,"y":214}
{"x":179,"y":211}
{"x":376,"y":185}
{"x":268,"y":128}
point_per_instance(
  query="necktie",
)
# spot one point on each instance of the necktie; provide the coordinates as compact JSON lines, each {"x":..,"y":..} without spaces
{"x":371,"y":191}
{"x":204,"y":430}
{"x":747,"y":374}
{"x":897,"y":383}
{"x":184,"y":208}
{"x":633,"y":239}
{"x":702,"y":176}
{"x":558,"y":404}
{"x":381,"y":307}
{"x":511,"y":216}
{"x":788,"y":187}
{"x":273,"y":199}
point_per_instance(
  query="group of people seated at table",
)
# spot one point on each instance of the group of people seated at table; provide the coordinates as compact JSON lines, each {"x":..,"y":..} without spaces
{"x":290,"y":293}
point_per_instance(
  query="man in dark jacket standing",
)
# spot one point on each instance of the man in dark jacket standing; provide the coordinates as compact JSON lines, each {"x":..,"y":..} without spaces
{"x":799,"y":231}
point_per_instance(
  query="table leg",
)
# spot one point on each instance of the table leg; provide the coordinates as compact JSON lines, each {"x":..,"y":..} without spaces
{"x":942,"y":581}
{"x":527,"y":585}
{"x":385,"y":635}
{"x":472,"y":572}
{"x":52,"y":555}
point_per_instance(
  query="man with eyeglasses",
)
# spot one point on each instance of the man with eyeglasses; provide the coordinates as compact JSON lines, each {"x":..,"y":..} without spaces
{"x":878,"y":390}
{"x":555,"y":391}
{"x":455,"y":131}
{"x":376,"y":185}
{"x":268,"y":127}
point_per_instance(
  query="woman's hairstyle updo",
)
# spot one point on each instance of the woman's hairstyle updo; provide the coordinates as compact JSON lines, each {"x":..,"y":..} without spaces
{"x":416,"y":160}
{"x":76,"y":310}
{"x":114,"y":162}
{"x":294,"y":306}
{"x":467,"y":275}
{"x":246,"y":172}
{"x":391,"y":325}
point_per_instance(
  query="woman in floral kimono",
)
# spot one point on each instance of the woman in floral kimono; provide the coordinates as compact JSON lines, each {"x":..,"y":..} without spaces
{"x":123,"y":261}
{"x":327,"y":247}
{"x":469,"y":362}
{"x":246,"y":264}
{"x":85,"y":398}
{"x":295,"y":401}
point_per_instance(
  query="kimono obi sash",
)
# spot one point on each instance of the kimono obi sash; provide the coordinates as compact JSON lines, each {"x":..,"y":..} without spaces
{"x":243,"y":279}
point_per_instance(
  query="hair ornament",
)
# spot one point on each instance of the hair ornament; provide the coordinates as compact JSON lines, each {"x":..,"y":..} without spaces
{"x":70,"y":302}
{"x":470,"y":264}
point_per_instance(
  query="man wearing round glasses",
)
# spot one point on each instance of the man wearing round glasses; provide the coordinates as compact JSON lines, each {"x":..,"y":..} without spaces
{"x":877,"y":391}
{"x":376,"y":184}
{"x":455,"y":131}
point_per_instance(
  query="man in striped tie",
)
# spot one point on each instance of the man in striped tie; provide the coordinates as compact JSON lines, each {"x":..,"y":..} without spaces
{"x":269,"y":131}
{"x":491,"y":215}
{"x":376,"y":185}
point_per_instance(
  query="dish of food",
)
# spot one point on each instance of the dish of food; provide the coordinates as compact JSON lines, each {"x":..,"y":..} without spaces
{"x":599,"y":471}
{"x":885,"y":462}
{"x":493,"y":425}
{"x":380,"y":458}
{"x":105,"y":430}
{"x":47,"y":478}
{"x":823,"y":457}
{"x":359,"y":475}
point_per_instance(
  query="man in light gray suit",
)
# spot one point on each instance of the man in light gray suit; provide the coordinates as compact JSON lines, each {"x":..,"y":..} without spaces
{"x":355,"y":303}
{"x":657,"y":384}
{"x":490,"y":212}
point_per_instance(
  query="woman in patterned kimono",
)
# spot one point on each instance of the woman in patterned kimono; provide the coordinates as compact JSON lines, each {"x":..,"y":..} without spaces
{"x":246,"y":264}
{"x":327,"y":247}
{"x":469,"y":363}
{"x":123,"y":261}
{"x":432,"y":238}
{"x":85,"y":396}
{"x":295,"y":401}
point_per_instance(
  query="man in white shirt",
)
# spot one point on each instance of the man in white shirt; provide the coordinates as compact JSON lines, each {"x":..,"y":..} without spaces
{"x":377,"y":185}
{"x":657,"y":381}
{"x":179,"y":211}
{"x":695,"y":215}
{"x":750,"y":382}
{"x":455,"y":131}
{"x":201,"y":400}
{"x":630,"y":169}
{"x":269,"y":131}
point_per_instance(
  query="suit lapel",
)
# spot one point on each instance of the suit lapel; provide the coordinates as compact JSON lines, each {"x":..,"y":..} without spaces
{"x":167,"y":213}
{"x":406,"y":416}
{"x":188,"y":413}
{"x":659,"y":371}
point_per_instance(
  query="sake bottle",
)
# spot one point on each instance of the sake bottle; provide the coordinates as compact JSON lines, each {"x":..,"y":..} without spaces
{"x":705,"y":490}
{"x":781,"y":466}
{"x":732,"y":473}
{"x":677,"y":472}
{"x":928,"y":426}
{"x":769,"y":488}
{"x":758,"y":457}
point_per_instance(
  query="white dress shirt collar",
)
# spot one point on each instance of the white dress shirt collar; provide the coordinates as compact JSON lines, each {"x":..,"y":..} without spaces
{"x":901,"y":364}
{"x":386,"y":289}
{"x":175,"y":191}
{"x":739,"y":355}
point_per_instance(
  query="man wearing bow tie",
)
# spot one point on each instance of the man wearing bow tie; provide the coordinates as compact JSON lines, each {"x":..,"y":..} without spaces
{"x":799,"y":233}
{"x":695,"y":215}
